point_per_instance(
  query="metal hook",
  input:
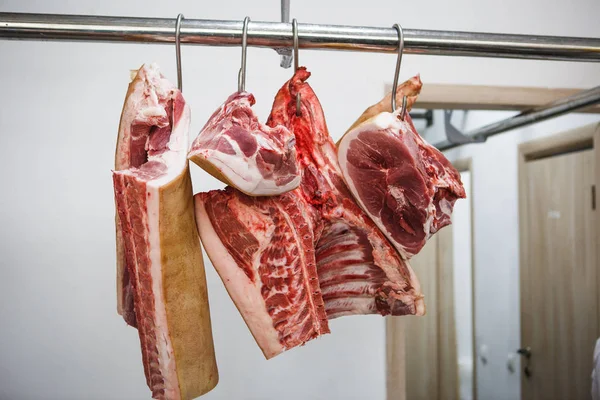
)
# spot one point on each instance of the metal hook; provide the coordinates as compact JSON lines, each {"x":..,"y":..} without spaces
{"x":242,"y":73}
{"x":295,"y":36}
{"x":403,"y":111}
{"x":397,"y":74}
{"x":296,"y":62}
{"x":178,"y":51}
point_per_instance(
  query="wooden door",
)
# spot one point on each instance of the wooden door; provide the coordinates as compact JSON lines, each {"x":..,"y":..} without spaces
{"x":421,"y":351}
{"x":559,"y":276}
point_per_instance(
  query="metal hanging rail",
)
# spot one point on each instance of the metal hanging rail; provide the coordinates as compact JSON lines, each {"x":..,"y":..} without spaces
{"x":537,"y":114}
{"x":277,"y":35}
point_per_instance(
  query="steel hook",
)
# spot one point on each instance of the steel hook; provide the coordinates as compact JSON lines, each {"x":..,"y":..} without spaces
{"x":242,"y":73}
{"x":296,"y":63}
{"x":178,"y":51}
{"x":397,"y":74}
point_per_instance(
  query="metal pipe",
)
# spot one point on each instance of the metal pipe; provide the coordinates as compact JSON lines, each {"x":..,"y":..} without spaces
{"x":541,"y":113}
{"x":277,"y":35}
{"x":285,"y":10}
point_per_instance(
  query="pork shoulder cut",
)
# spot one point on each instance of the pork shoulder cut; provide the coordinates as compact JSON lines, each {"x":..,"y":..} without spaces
{"x":404,"y":184}
{"x":238,"y":150}
{"x":293,"y":261}
{"x":161,"y":278}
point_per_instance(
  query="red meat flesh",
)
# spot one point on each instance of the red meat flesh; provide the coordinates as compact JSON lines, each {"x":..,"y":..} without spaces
{"x":316,"y":226}
{"x":239,"y":150}
{"x":404,"y":184}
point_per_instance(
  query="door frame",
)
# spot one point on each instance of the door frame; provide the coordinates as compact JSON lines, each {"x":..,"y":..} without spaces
{"x":466,"y":165}
{"x":582,"y":138}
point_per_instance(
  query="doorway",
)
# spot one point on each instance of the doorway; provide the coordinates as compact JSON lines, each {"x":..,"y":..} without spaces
{"x":559,"y":269}
{"x":432,"y":357}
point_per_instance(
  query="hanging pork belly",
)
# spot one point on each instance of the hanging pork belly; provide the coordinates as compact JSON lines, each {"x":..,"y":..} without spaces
{"x":293,"y":261}
{"x":161,"y":279}
{"x":404,"y":184}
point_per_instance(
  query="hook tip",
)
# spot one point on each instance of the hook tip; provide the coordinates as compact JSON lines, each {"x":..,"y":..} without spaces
{"x":298,"y":105}
{"x":178,"y":50}
{"x":242,"y":72}
{"x":398,"y":28}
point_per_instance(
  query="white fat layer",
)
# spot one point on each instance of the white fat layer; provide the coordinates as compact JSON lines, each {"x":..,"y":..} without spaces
{"x":445,"y":206}
{"x":383,"y":123}
{"x":419,"y":303}
{"x":242,"y":291}
{"x":150,"y":112}
{"x":138,"y":107}
{"x":175,"y":158}
{"x":351,"y":306}
{"x":243,"y":173}
{"x":360,"y":287}
{"x":360,"y":268}
{"x":354,"y":254}
{"x":166,"y":356}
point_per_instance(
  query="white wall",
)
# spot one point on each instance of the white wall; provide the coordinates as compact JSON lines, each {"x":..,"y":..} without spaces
{"x":60,"y":337}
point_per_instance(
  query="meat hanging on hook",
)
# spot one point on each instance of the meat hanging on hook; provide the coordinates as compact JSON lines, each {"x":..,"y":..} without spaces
{"x":160,"y":270}
{"x":292,"y":262}
{"x":404,"y":184}
{"x":236,"y":148}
